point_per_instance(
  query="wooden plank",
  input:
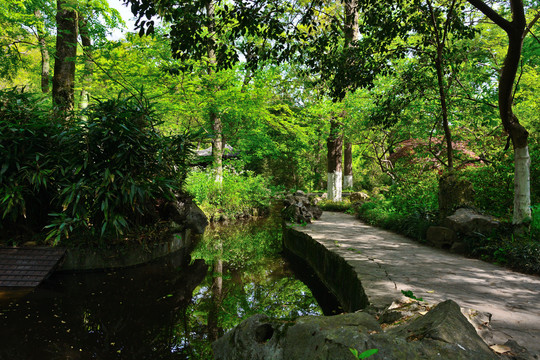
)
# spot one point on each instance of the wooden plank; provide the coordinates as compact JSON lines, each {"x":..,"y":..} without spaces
{"x":27,"y":267}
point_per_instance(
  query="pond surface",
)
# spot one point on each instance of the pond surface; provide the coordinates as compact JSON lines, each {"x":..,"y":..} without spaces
{"x":170,"y":309}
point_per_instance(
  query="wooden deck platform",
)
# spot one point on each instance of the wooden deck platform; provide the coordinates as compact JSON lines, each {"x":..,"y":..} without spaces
{"x":27,"y":266}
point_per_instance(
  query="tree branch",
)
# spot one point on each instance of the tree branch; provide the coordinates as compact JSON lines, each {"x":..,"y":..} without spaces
{"x":492,"y":14}
{"x":531,"y":24}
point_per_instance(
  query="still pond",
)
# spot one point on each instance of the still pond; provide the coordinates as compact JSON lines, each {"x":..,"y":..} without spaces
{"x":169,"y":309}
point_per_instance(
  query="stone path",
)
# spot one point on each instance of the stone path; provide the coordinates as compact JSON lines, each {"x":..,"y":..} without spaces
{"x":388,"y":263}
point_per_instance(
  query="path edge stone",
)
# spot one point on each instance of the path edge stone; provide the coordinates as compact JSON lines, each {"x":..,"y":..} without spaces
{"x":333,"y":270}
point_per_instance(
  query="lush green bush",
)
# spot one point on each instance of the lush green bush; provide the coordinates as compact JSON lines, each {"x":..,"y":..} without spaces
{"x":535,"y":222}
{"x":240,"y":193}
{"x":329,"y":205}
{"x":493,"y":187}
{"x":409,"y":207}
{"x":27,"y":165}
{"x":518,"y":252}
{"x":100,"y":176}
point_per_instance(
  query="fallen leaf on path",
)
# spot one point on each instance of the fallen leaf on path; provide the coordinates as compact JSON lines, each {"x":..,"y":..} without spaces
{"x":500,"y":349}
{"x":431,"y":291}
{"x":422,"y":312}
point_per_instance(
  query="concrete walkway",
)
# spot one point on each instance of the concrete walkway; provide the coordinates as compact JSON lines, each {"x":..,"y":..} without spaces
{"x":388,"y":263}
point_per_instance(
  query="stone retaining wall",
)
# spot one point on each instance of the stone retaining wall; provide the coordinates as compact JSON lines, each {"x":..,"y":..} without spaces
{"x":82,"y":259}
{"x":337,"y":275}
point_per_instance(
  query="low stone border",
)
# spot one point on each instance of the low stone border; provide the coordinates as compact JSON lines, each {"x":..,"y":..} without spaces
{"x":82,"y":259}
{"x":335,"y":273}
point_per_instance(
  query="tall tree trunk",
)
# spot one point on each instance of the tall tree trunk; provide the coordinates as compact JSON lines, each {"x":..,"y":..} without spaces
{"x":439,"y":43}
{"x":516,"y":31}
{"x":217,"y":298}
{"x":347,"y":168}
{"x":217,"y":147}
{"x":444,"y":110}
{"x":217,"y":293}
{"x":45,"y":58}
{"x":335,"y":175}
{"x":351,"y":37}
{"x":63,"y":91}
{"x":351,"y":22}
{"x":215,"y":120}
{"x":88,"y":64}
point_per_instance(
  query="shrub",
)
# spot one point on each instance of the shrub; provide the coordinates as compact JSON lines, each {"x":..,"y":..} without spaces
{"x":240,"y":192}
{"x":535,"y":222}
{"x":329,"y":205}
{"x":100,"y":176}
{"x":409,"y":207}
{"x":27,"y":164}
{"x":493,"y":182}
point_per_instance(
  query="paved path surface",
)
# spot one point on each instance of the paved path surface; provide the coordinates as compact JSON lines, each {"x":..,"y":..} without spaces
{"x":388,"y":263}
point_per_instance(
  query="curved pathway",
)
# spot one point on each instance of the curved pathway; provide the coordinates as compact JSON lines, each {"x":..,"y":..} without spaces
{"x":388,"y":263}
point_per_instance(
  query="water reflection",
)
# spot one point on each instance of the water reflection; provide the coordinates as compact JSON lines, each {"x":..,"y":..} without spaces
{"x":170,"y":309}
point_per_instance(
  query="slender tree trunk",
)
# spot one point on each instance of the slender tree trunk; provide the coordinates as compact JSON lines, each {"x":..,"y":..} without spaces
{"x":335,"y":175}
{"x":63,"y":91}
{"x":439,"y":43}
{"x":347,"y":168}
{"x":516,"y":31}
{"x":45,"y":58}
{"x":518,"y":134}
{"x":351,"y":37}
{"x":215,"y":120}
{"x":217,"y":294}
{"x":351,"y":22}
{"x":217,"y":147}
{"x":88,"y":64}
{"x":444,"y":109}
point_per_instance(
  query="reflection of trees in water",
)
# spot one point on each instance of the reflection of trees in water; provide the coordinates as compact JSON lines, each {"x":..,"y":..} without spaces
{"x":248,"y":277}
{"x":100,"y":316}
{"x":161,"y":311}
{"x":217,"y":292}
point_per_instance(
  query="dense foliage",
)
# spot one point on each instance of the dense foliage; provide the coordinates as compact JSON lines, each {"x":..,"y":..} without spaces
{"x":241,"y":194}
{"x":101,"y":175}
{"x":422,"y":102}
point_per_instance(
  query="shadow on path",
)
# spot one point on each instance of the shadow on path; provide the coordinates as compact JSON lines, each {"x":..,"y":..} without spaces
{"x":388,"y":263}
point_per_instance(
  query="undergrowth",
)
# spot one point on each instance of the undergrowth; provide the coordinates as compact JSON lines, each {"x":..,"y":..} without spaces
{"x":242,"y":193}
{"x":97,"y":178}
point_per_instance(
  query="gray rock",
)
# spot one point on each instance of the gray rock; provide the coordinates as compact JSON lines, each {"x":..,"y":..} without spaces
{"x":441,"y":237}
{"x":459,"y":247}
{"x":442,"y":333}
{"x":359,"y":197}
{"x":446,"y":324}
{"x":469,"y":222}
{"x":196,"y":220}
{"x":300,"y":208}
{"x":186,"y":214}
{"x":517,"y":352}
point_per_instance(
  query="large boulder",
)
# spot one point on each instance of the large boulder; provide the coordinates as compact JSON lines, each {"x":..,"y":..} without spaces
{"x":358,"y":197}
{"x":442,"y":333}
{"x":469,"y":222}
{"x":300,"y":208}
{"x":441,"y":237}
{"x":185,"y":213}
